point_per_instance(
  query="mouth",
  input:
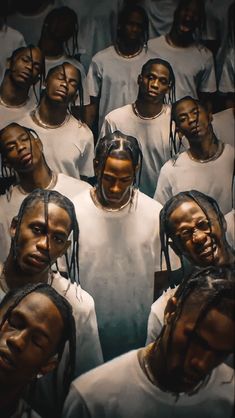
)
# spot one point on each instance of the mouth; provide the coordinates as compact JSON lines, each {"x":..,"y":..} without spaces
{"x":61,"y":93}
{"x":153,"y":93}
{"x":6,"y":361}
{"x":38,"y":260}
{"x":26,"y":159}
{"x":25,"y":75}
{"x":208,"y":251}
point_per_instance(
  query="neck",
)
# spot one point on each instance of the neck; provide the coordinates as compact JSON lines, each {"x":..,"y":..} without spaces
{"x":98,"y":195}
{"x":148,"y":109}
{"x":11,"y":93}
{"x":15,"y":277}
{"x":52,"y":113}
{"x":51,"y":48}
{"x":128,"y":48}
{"x":173,"y":38}
{"x":40,"y":177}
{"x":204,"y":147}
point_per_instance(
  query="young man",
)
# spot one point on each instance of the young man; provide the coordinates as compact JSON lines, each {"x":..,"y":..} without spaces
{"x":22,"y":151}
{"x":207,"y":165}
{"x":192,"y":224}
{"x":119,"y":245}
{"x":40,"y":234}
{"x":192,"y":63}
{"x":181,"y":374}
{"x":148,"y":119}
{"x":68,"y":143}
{"x":35,"y":324}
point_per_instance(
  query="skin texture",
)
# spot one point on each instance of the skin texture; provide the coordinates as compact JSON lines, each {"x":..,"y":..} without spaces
{"x":62,"y":85}
{"x":192,"y":236}
{"x":25,"y":70}
{"x":28,"y":340}
{"x":184,"y":25}
{"x":133,"y":28}
{"x":154,"y":83}
{"x":192,"y":120}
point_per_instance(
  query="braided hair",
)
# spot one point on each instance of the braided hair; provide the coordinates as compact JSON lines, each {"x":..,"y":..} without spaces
{"x":146,"y":67}
{"x":14,"y":297}
{"x":119,"y":146}
{"x":123,"y":17}
{"x":201,"y":14}
{"x":51,"y":196}
{"x":204,"y":202}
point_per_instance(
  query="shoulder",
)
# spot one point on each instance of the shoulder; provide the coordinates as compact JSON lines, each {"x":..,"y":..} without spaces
{"x":99,"y":56}
{"x":119,"y":112}
{"x":148,"y":203}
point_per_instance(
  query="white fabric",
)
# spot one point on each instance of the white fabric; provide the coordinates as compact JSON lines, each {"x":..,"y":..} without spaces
{"x":193,"y":67}
{"x":227,"y":79}
{"x":120,"y":389}
{"x":230,"y":233}
{"x":224,"y":126}
{"x":13,"y":114}
{"x":114,"y":78}
{"x":10,"y":39}
{"x":10,"y":204}
{"x":153,"y":136}
{"x":50,"y":63}
{"x":214,"y":178}
{"x":118,"y":255}
{"x":68,"y":149}
{"x":160,"y":14}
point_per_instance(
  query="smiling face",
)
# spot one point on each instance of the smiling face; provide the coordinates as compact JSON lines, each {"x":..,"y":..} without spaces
{"x":26,"y":66}
{"x":39,"y":244}
{"x":191,"y":234}
{"x":154,"y":83}
{"x":62,"y":84}
{"x":20,"y":149}
{"x":28,"y":340}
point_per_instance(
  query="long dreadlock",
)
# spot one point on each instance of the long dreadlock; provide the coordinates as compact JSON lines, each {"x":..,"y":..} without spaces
{"x":52,"y":196}
{"x":123,"y":17}
{"x":14,"y":297}
{"x":201,"y":16}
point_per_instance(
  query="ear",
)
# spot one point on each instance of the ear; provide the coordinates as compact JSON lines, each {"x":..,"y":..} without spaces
{"x":139,"y":79}
{"x":66,"y":246}
{"x":210,"y":117}
{"x":8,"y":63}
{"x":176,"y":249}
{"x":49,"y":367}
{"x":170,"y":310}
{"x":13,"y":227}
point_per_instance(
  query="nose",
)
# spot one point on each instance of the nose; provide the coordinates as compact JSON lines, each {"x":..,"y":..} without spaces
{"x":43,"y":243}
{"x":21,"y":146}
{"x":199,"y":236}
{"x":192,"y":117}
{"x":202,"y":364}
{"x":115,"y":188}
{"x":17,"y":340}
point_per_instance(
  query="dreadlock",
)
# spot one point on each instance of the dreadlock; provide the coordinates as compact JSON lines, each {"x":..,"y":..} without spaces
{"x":204,"y":202}
{"x":146,"y":67}
{"x":52,"y":196}
{"x":119,"y":146}
{"x":231,"y":25}
{"x":13,"y":299}
{"x":201,"y":15}
{"x":59,"y":15}
{"x":123,"y":17}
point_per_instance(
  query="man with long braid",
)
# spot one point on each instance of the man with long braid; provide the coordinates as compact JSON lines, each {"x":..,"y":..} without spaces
{"x":193,"y":225}
{"x":182,"y":373}
{"x":40,"y":234}
{"x":35,"y":325}
{"x":119,"y":245}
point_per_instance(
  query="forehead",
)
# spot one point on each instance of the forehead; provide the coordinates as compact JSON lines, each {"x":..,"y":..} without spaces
{"x":68,"y":69}
{"x":190,"y":5}
{"x":185,"y":106}
{"x":134,"y":16}
{"x":188,"y":212}
{"x":34,"y":52}
{"x":158,"y":69}
{"x":118,"y":166}
{"x":12,"y":132}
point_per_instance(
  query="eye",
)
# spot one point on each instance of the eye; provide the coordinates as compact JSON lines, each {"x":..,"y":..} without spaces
{"x":186,"y":234}
{"x":36,"y":229}
{"x":203,"y":225}
{"x":58,"y":239}
{"x":15,"y":322}
{"x":38,"y":341}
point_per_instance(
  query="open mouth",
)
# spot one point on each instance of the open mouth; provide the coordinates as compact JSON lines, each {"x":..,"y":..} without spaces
{"x":6,"y":361}
{"x":208,"y":251}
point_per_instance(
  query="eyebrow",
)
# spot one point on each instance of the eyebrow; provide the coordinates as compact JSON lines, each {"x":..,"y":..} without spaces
{"x":21,"y":316}
{"x":189,"y":111}
{"x":208,"y":346}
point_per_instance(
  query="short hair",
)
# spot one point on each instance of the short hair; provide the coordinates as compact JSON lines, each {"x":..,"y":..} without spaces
{"x":203,"y":201}
{"x":51,"y":196}
{"x":146,"y":67}
{"x":14,"y":297}
{"x":124,"y":15}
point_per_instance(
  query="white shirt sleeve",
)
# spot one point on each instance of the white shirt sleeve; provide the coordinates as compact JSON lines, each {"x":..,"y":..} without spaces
{"x":85,"y":162}
{"x":206,"y":81}
{"x":164,"y":190}
{"x":74,"y":406}
{"x":94,"y":79}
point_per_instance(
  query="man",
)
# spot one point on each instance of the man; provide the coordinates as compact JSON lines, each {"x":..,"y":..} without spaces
{"x":192,"y":224}
{"x":181,"y":374}
{"x":22,"y":151}
{"x":35,"y":324}
{"x":207,"y":165}
{"x":40,"y":234}
{"x":119,"y":245}
{"x":148,"y":119}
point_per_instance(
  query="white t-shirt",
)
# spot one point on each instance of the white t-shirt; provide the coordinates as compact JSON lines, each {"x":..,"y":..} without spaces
{"x":13,"y":114}
{"x":193,"y":67}
{"x":153,"y":136}
{"x":119,"y":252}
{"x":224,"y":126}
{"x":10,"y":204}
{"x":10,"y":39}
{"x":114,"y":78}
{"x":120,"y":389}
{"x":227,"y":79}
{"x":160,"y":14}
{"x":214,"y":178}
{"x":68,"y":149}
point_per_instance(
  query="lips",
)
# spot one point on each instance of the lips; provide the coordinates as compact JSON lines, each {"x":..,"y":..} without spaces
{"x":61,"y":93}
{"x":26,"y":158}
{"x":208,"y":251}
{"x":6,"y":361}
{"x":38,"y":260}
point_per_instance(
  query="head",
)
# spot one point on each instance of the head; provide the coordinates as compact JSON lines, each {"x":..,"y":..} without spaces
{"x":117,"y":160}
{"x":35,"y":324}
{"x":193,"y":225}
{"x":26,"y":66}
{"x":40,"y":233}
{"x":199,"y":330}
{"x":61,"y":25}
{"x":156,"y":81}
{"x":189,"y":17}
{"x":62,"y":84}
{"x":21,"y":149}
{"x":133,"y":25}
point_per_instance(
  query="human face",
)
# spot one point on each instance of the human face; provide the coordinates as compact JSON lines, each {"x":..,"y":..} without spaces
{"x":28,"y":339}
{"x":154,"y":83}
{"x":21,"y":151}
{"x":25,"y":68}
{"x":62,"y":84}
{"x":187,"y":19}
{"x":117,"y":178}
{"x":191,"y":234}
{"x":40,"y":244}
{"x":194,"y":353}
{"x":192,"y":120}
{"x":133,"y":29}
